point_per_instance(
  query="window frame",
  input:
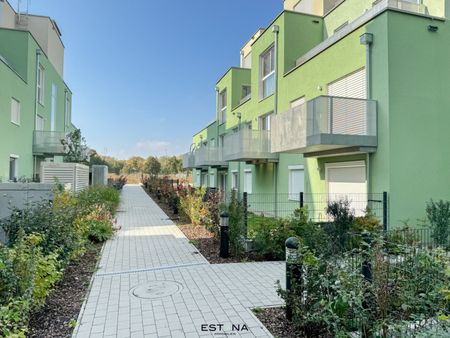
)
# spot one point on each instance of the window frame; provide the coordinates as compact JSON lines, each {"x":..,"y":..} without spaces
{"x":234,"y":180}
{"x":248,"y":190}
{"x":295,"y":196}
{"x":223,"y":97}
{"x":16,"y":167}
{"x":13,"y":113}
{"x":263,"y":78}
{"x":265,"y":117}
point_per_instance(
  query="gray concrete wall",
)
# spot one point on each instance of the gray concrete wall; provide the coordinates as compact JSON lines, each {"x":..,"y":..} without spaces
{"x":21,"y":195}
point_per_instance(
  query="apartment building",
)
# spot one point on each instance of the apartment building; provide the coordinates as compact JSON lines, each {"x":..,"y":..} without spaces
{"x":35,"y":102}
{"x":336,"y":99}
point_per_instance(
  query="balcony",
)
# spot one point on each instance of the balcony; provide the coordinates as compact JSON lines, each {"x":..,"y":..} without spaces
{"x":326,"y":125}
{"x":189,"y":161}
{"x":209,"y":156}
{"x":248,"y":145}
{"x":49,"y":142}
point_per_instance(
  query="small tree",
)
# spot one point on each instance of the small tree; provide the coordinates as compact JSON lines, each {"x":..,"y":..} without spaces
{"x":152,"y":166}
{"x":133,"y":165}
{"x":438,"y":214}
{"x":76,"y":148}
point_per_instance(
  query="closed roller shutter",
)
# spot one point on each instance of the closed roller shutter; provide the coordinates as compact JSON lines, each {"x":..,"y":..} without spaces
{"x":349,"y":116}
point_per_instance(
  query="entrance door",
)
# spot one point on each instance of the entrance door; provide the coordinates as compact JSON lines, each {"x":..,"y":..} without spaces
{"x":347,"y":181}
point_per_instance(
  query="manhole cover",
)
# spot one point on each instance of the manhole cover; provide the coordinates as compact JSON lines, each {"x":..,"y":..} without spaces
{"x":156,"y":289}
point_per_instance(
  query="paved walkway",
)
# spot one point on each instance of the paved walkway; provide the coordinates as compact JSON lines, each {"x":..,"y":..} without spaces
{"x":152,"y":282}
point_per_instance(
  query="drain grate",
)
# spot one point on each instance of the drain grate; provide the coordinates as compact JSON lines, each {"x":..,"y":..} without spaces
{"x":156,"y":289}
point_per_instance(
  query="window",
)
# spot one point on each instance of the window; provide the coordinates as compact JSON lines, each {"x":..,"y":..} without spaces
{"x":234,"y":180}
{"x":68,"y":117}
{"x":248,"y":181}
{"x":298,"y":102}
{"x":53,"y":108}
{"x":264,"y":122}
{"x":39,"y":123}
{"x":222,"y":182}
{"x":246,"y":91}
{"x":212,"y":180}
{"x":296,"y":182}
{"x":40,"y":84}
{"x":223,"y":106}
{"x":267,"y":73}
{"x":13,"y":168}
{"x":248,"y":125}
{"x":203,"y":179}
{"x":221,"y":140}
{"x":15,"y":111}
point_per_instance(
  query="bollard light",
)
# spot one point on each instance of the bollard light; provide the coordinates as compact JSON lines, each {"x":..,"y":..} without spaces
{"x":224,"y":238}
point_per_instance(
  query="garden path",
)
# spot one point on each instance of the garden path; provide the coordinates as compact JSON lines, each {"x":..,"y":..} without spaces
{"x":152,"y":282}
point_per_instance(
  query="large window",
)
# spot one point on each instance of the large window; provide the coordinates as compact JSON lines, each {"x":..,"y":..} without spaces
{"x":234,"y":180}
{"x":13,"y":168}
{"x":40,"y":84}
{"x":53,"y":108}
{"x":15,"y":111}
{"x":68,"y":117}
{"x":246,"y":92}
{"x":296,"y":182}
{"x":248,"y":178}
{"x":267,"y":73}
{"x":223,"y":106}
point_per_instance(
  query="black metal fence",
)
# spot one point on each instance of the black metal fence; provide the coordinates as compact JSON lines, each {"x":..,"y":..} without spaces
{"x":283,"y":205}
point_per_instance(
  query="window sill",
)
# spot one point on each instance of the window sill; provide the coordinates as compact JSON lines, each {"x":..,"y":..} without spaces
{"x":16,"y":124}
{"x":265,"y":98}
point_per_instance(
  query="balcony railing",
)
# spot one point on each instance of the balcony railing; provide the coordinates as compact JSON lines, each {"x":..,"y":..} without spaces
{"x":209,"y":156}
{"x":326,"y":123}
{"x":248,"y":145}
{"x":49,"y":142}
{"x":189,"y":161}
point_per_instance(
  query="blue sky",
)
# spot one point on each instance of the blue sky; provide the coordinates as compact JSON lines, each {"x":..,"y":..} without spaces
{"x":143,"y":72}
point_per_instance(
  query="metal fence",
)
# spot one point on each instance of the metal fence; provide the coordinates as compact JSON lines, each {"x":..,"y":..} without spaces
{"x":283,"y":205}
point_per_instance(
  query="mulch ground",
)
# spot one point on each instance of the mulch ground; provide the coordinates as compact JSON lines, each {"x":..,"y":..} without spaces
{"x":274,"y":319}
{"x":59,"y":314}
{"x":203,"y":239}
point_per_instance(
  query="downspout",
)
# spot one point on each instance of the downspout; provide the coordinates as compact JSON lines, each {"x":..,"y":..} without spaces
{"x":219,"y":146}
{"x":276,"y":31}
{"x":367,"y":40}
{"x":38,"y":62}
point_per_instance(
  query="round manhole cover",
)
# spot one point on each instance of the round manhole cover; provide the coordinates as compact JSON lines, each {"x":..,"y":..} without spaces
{"x":156,"y":289}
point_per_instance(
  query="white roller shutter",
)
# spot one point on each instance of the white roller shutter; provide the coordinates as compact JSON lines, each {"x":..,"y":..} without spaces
{"x":353,"y":85}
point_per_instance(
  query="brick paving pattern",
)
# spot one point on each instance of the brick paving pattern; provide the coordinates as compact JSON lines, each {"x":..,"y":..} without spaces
{"x":150,"y":249}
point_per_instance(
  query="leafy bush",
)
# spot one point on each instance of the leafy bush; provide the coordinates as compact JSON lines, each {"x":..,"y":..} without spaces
{"x":192,"y":205}
{"x":107,"y":197}
{"x":237,"y":230}
{"x":100,"y":231}
{"x":438,"y":214}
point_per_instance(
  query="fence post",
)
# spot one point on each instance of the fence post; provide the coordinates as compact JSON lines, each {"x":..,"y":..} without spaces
{"x":293,"y":272}
{"x":366,"y":271}
{"x":224,"y":238}
{"x":385,"y":211}
{"x":302,"y":201}
{"x":245,"y":202}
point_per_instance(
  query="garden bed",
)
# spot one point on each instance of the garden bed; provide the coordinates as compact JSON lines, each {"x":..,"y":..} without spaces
{"x":57,"y":318}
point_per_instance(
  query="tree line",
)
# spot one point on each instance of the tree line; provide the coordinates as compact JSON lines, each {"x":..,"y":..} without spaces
{"x":166,"y":165}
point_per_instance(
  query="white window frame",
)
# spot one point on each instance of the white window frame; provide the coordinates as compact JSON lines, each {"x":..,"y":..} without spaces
{"x":223,"y":106}
{"x":15,"y":114}
{"x":53,"y":107}
{"x":266,"y":117}
{"x":297,"y":102}
{"x":248,"y":185}
{"x":67,"y":111}
{"x":16,"y":166}
{"x":295,"y":195}
{"x":41,"y":84}
{"x":264,"y":78}
{"x":234,"y":180}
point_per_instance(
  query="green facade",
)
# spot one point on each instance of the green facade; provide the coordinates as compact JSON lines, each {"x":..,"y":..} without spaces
{"x":18,"y":62}
{"x":407,"y":76}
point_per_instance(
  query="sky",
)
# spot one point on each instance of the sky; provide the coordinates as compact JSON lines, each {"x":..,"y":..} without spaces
{"x":143,"y":72}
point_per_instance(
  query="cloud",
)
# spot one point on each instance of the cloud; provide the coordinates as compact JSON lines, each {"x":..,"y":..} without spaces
{"x":156,"y":148}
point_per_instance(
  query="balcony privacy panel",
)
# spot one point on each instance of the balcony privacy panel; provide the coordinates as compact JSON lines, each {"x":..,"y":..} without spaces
{"x":188,"y":161}
{"x":247,"y":144}
{"x":209,"y":156}
{"x":288,"y":130}
{"x":48,"y":142}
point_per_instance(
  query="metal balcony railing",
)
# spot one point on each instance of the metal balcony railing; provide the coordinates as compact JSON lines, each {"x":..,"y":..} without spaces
{"x":326,"y":123}
{"x":248,"y":145}
{"x":209,"y":156}
{"x":189,"y":161}
{"x":49,"y":142}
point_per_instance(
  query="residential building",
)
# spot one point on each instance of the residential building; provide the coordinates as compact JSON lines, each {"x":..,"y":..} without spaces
{"x":341,"y":99}
{"x":35,"y":102}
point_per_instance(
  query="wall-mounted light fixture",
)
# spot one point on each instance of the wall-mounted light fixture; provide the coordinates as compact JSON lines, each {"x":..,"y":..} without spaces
{"x":432,"y":28}
{"x":366,"y":39}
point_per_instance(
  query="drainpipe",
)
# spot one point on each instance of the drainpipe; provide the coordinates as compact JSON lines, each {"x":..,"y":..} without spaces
{"x":38,"y":61}
{"x":276,"y":31}
{"x":367,"y":39}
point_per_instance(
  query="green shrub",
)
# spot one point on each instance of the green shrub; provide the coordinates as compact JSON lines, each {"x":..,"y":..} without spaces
{"x":438,"y":214}
{"x":192,"y":205}
{"x":237,"y":231}
{"x":100,"y":231}
{"x":106,"y":196}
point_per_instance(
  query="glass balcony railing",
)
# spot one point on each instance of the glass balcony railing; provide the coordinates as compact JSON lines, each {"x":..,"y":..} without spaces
{"x":326,"y":123}
{"x":209,"y":156}
{"x":248,"y":145}
{"x":49,"y":142}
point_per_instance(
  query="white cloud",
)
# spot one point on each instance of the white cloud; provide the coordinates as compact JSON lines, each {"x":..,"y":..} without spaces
{"x":155,"y":148}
